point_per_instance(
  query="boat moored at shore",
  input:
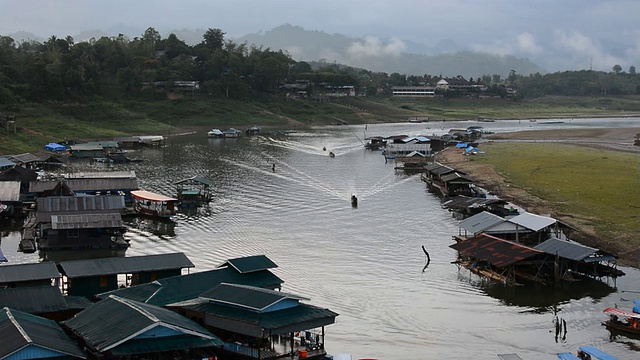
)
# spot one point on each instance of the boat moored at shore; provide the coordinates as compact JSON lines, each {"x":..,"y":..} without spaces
{"x":152,"y":204}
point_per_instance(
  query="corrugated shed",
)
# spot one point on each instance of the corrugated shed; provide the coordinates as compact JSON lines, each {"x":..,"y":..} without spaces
{"x":28,"y":272}
{"x":102,"y":175}
{"x":86,"y":221}
{"x":463,"y":202}
{"x":249,"y":297}
{"x":532,"y":221}
{"x":496,"y":251}
{"x":249,"y":264}
{"x":124,"y":265}
{"x":114,"y":321}
{"x":185,"y":287}
{"x":33,"y":299}
{"x":115,"y":184}
{"x":480,"y":222}
{"x":566,"y":249}
{"x":9,"y":190}
{"x":20,"y":330}
{"x":53,"y":205}
{"x":42,"y":186}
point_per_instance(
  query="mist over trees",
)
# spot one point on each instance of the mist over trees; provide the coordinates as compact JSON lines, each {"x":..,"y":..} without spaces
{"x":120,"y":68}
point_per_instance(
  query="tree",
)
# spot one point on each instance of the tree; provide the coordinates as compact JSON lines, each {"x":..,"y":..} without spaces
{"x":617,"y":68}
{"x":632,"y":70}
{"x":213,"y":38}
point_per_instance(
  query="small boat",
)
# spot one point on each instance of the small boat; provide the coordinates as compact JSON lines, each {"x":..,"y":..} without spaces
{"x":331,"y":154}
{"x":354,"y":201}
{"x":586,"y":352}
{"x":152,"y":204}
{"x":215,"y":133}
{"x":630,"y":323}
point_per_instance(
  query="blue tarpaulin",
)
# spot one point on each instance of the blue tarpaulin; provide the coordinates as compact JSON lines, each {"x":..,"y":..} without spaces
{"x":461,"y":145}
{"x":54,"y":147}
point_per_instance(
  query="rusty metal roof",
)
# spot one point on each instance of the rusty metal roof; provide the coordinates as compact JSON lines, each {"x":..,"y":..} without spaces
{"x":496,"y":251}
{"x":78,"y":205}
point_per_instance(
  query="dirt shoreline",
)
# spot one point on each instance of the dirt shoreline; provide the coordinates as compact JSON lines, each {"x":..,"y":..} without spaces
{"x":617,"y":139}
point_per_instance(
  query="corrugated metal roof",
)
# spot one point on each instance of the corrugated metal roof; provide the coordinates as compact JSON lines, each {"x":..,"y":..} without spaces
{"x":115,"y":320}
{"x":442,"y":170}
{"x":113,"y":184}
{"x":4,"y":162}
{"x":9,"y":190}
{"x":495,"y":251}
{"x":259,"y":324}
{"x":86,"y":221}
{"x":479,"y":222}
{"x":432,"y":166}
{"x":185,"y":287}
{"x":28,"y":272}
{"x":457,"y":177}
{"x":52,"y":205}
{"x":249,"y":297}
{"x":464,"y":202}
{"x":86,"y":147}
{"x":124,"y":265}
{"x":33,"y":299}
{"x":42,"y":186}
{"x":155,"y":345}
{"x":532,"y":221}
{"x":102,"y":175}
{"x":20,"y":329}
{"x":24,"y":158}
{"x":249,"y":264}
{"x":566,"y":249}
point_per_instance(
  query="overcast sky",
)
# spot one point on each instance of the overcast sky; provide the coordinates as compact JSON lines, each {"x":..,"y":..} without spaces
{"x":556,"y":34}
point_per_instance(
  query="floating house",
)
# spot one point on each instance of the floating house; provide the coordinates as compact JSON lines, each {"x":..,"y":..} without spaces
{"x":94,"y":276}
{"x":77,"y":205}
{"x":87,"y":151}
{"x":463,"y":206}
{"x":121,"y":328}
{"x":194,"y":191}
{"x":104,"y":183}
{"x":42,"y":189}
{"x":82,"y":231}
{"x":29,"y":275}
{"x":11,"y":205}
{"x":260,"y":323}
{"x":26,"y":336}
{"x":252,"y":131}
{"x":215,"y":133}
{"x":5,"y":163}
{"x":253,"y":270}
{"x":45,"y":301}
{"x":447,"y":182}
{"x":21,"y":174}
{"x":581,"y":259}
{"x":231,"y":133}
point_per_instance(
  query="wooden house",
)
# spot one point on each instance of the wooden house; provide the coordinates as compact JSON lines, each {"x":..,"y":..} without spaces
{"x":18,"y":173}
{"x":41,"y":189}
{"x":87,"y":151}
{"x":249,"y":319}
{"x":26,"y":336}
{"x":104,"y":183}
{"x":119,"y":328}
{"x":231,"y":133}
{"x":82,"y":231}
{"x":252,"y":270}
{"x":10,"y":202}
{"x":447,"y":182}
{"x":94,"y":276}
{"x":29,"y":275}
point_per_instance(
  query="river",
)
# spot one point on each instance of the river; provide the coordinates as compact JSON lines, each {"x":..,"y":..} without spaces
{"x":364,"y":263}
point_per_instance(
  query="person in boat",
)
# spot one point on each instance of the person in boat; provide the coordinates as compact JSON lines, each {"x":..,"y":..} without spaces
{"x":324,"y":149}
{"x":354,"y":201}
{"x":273,"y":168}
{"x":331,"y":154}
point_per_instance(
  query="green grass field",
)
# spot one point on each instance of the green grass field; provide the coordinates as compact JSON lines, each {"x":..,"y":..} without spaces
{"x":598,"y":188}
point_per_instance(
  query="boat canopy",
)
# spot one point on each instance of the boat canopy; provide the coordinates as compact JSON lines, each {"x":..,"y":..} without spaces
{"x":618,"y":312}
{"x":567,"y":356}
{"x":148,"y":195}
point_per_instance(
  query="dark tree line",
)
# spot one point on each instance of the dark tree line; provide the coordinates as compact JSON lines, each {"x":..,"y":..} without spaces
{"x":118,"y":67}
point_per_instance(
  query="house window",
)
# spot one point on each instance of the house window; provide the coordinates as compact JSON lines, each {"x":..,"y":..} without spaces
{"x":73,"y":233}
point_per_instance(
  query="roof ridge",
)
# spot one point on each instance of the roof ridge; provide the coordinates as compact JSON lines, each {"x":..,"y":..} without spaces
{"x":17,"y":325}
{"x":134,"y":306}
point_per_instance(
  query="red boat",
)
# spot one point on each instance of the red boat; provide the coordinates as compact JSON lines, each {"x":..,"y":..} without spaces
{"x":623,"y":321}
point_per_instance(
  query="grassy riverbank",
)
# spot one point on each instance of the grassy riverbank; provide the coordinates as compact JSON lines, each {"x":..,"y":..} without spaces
{"x":38,"y":124}
{"x":595,"y":190}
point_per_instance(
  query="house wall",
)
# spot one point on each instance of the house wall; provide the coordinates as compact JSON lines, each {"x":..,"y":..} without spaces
{"x":147,"y":277}
{"x":90,"y":286}
{"x":85,"y":238}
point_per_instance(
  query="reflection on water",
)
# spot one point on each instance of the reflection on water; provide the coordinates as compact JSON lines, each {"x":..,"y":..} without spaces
{"x":366,"y":263}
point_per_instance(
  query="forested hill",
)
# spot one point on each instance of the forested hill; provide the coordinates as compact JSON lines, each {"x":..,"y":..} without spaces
{"x":389,"y":57}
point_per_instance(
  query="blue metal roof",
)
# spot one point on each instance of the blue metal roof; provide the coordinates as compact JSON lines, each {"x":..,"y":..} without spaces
{"x":4,"y":162}
{"x":598,"y":354}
